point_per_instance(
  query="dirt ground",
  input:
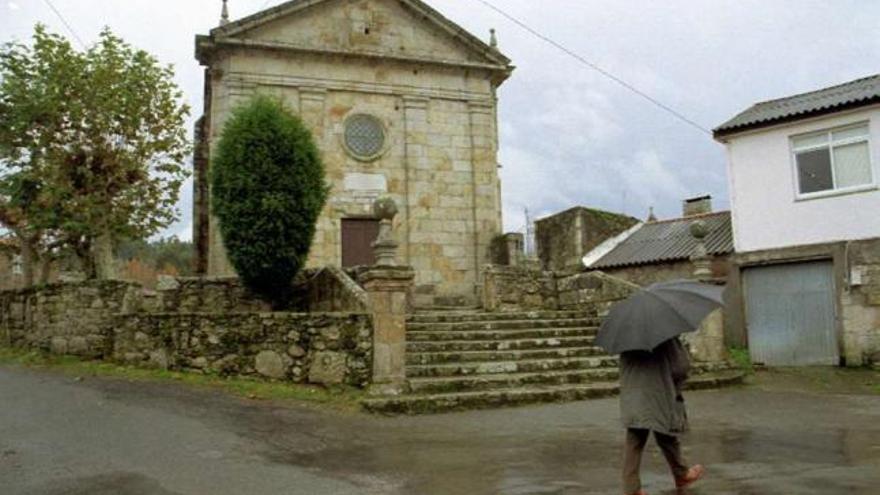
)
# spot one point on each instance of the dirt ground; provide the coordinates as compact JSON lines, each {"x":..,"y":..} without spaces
{"x":788,"y":432}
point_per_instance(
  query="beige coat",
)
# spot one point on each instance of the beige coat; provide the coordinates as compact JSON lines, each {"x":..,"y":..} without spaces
{"x":650,"y":388}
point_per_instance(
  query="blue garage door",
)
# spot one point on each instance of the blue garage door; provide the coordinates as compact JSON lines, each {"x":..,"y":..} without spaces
{"x":790,"y":314}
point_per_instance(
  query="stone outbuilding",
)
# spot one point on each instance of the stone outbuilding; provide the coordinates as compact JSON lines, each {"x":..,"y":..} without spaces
{"x":659,"y":250}
{"x":563,"y":238}
{"x":401,"y":102}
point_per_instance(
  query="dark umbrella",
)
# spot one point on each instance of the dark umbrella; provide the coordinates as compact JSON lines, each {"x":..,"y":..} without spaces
{"x":656,"y":314}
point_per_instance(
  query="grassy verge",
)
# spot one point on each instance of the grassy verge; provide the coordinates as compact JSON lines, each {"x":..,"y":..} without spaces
{"x":848,"y":381}
{"x":338,"y":398}
{"x":742,"y":359}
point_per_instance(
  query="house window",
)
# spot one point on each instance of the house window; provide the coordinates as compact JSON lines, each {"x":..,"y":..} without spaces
{"x":834,"y":160}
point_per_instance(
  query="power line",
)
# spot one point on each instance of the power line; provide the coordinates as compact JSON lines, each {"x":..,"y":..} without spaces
{"x":64,"y":21}
{"x":598,"y":69}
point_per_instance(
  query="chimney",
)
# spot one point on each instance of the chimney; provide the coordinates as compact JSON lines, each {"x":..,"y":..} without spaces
{"x":697,"y":206}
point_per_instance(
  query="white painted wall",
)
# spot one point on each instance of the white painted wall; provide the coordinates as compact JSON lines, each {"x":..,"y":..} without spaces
{"x":763,"y":186}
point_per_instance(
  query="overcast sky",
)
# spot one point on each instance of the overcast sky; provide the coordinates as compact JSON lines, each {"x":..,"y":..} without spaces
{"x":568,"y":135}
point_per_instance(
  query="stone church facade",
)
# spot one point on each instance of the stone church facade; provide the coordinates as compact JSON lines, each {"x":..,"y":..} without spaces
{"x":401,"y":102}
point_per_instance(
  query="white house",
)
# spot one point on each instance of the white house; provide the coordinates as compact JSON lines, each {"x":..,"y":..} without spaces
{"x":804,"y":174}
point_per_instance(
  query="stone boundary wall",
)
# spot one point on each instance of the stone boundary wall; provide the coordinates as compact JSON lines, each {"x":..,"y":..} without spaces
{"x":326,"y":289}
{"x":595,"y":289}
{"x":510,"y":288}
{"x":860,"y":304}
{"x":205,"y":295}
{"x":70,"y":318}
{"x":319,"y":348}
{"x":120,"y":321}
{"x":513,"y":288}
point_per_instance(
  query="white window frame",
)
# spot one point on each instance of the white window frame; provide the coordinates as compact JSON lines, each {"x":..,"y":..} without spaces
{"x":830,"y":144}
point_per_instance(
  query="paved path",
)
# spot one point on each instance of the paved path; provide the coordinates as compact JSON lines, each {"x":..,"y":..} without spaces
{"x":101,"y":437}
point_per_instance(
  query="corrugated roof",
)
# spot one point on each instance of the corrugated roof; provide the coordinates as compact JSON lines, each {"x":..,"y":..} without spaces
{"x":669,"y":240}
{"x":860,"y":92}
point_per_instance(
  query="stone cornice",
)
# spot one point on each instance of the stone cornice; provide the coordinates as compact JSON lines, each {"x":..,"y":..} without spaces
{"x":415,"y":102}
{"x":481,"y":106}
{"x":412,"y":93}
{"x":311,"y":93}
{"x":206,"y":47}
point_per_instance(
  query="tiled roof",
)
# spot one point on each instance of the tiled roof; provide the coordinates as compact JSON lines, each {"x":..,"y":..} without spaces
{"x":856,"y":93}
{"x":669,"y":240}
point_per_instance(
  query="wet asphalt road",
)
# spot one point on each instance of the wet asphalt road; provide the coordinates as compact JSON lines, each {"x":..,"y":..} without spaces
{"x":101,"y":437}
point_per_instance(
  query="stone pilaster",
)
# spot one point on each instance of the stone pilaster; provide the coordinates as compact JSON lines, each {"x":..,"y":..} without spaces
{"x":387,"y":288}
{"x":311,"y":105}
{"x":415,"y":115}
{"x":484,"y":176}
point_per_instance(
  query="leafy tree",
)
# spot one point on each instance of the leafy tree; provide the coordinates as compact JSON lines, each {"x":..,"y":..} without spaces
{"x":162,"y":255}
{"x":268,"y":190}
{"x":37,"y":88}
{"x":102,"y":132}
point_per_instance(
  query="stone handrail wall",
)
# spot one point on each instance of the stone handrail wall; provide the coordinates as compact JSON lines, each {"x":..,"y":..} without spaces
{"x":332,"y":289}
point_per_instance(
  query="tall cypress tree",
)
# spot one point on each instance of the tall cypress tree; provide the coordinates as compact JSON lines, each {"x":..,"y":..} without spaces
{"x":268,"y":189}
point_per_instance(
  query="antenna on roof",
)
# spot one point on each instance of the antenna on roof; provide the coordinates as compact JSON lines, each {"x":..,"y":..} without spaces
{"x":651,"y":216}
{"x":224,"y":14}
{"x":493,"y":39}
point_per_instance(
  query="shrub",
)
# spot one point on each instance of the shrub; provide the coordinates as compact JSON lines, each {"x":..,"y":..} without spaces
{"x":742,"y":358}
{"x":268,"y":189}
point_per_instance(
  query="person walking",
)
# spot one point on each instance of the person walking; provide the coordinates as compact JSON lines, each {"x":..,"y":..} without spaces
{"x":651,"y":401}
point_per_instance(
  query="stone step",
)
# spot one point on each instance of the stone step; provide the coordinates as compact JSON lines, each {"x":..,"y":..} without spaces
{"x":503,"y":324}
{"x":474,"y":345}
{"x":509,"y":380}
{"x":505,"y":367}
{"x":515,"y":396}
{"x":442,"y":357}
{"x":471,"y":316}
{"x":499,"y":335}
{"x":456,"y":310}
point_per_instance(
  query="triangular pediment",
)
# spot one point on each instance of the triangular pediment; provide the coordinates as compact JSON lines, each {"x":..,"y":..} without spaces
{"x":399,"y":28}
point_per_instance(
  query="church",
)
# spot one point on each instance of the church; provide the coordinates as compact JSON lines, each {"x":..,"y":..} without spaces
{"x":401,"y":101}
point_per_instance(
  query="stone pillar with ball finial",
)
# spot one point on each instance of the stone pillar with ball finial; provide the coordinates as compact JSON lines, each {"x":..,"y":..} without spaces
{"x":700,"y":258}
{"x":388,"y":285}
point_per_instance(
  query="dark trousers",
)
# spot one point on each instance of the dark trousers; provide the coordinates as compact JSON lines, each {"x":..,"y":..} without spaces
{"x":636,"y":439}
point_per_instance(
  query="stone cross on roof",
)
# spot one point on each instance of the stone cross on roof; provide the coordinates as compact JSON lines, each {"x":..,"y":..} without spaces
{"x":224,"y":14}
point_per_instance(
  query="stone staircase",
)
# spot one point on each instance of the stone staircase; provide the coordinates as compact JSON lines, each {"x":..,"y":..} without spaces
{"x":458,"y":360}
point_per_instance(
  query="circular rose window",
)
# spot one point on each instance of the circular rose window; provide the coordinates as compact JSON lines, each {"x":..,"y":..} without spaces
{"x":364,"y":136}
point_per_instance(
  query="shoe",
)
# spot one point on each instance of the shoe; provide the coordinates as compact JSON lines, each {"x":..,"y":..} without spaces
{"x":693,"y":474}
